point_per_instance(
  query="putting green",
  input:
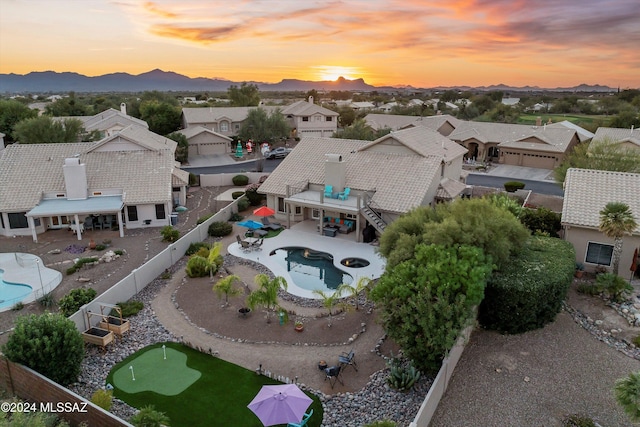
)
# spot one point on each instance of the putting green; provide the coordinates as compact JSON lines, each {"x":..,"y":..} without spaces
{"x":152,"y":372}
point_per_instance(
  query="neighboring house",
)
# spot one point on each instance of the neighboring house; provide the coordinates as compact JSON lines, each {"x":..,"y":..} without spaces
{"x":510,"y":101}
{"x":109,"y":122}
{"x":627,"y":138}
{"x":388,"y":107}
{"x":130,"y":178}
{"x":586,"y":193}
{"x":362,"y":106}
{"x":204,"y":142}
{"x":444,"y":124}
{"x":304,"y":117}
{"x":386,"y":177}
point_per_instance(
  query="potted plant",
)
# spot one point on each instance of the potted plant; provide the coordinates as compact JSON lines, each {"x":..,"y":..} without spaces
{"x":579,"y":269}
{"x":299,"y":326}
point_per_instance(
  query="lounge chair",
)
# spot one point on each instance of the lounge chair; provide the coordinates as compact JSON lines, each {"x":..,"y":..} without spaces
{"x":270,"y":225}
{"x":348,"y":359}
{"x":344,"y":194}
{"x":328,"y":191}
{"x":303,"y":422}
{"x":332,"y":374}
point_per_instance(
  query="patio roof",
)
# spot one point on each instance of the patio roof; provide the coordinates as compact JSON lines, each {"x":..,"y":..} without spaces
{"x":53,"y":207}
{"x":311,"y":198}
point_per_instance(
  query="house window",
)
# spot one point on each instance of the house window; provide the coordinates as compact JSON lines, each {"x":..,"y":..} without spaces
{"x":298,"y":210}
{"x":160,"y":214}
{"x":281,"y":204}
{"x":305,"y":119}
{"x":598,"y":253}
{"x":237,"y":127}
{"x":18,"y":220}
{"x":329,"y":118}
{"x":132,"y":213}
{"x":315,"y":213}
{"x":224,"y":127}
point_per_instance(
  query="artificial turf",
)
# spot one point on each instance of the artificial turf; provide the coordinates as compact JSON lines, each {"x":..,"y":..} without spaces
{"x":219,"y":397}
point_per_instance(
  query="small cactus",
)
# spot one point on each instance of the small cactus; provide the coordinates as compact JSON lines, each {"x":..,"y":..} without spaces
{"x":402,"y":377}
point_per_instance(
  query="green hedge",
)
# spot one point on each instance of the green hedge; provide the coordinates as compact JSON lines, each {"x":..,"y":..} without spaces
{"x":512,"y":186}
{"x":236,"y":194}
{"x":240,"y":180}
{"x":243,"y":204}
{"x":528,"y":292}
{"x":220,"y":229}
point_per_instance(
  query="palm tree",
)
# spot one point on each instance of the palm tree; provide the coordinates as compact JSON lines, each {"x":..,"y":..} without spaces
{"x":267,"y":293}
{"x":362,"y":284}
{"x":627,"y":391}
{"x":329,"y":300}
{"x":214,"y":258}
{"x":616,"y":220}
{"x":225,"y":287}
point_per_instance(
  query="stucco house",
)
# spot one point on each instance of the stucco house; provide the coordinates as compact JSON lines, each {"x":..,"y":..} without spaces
{"x":204,"y":142}
{"x":109,"y":122}
{"x":627,"y":138}
{"x":304,"y":117}
{"x":586,"y":193}
{"x":386,"y":178}
{"x":444,"y":124}
{"x":128,"y":179}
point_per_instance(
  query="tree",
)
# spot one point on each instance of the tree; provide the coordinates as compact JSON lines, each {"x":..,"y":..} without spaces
{"x":149,"y":417}
{"x":260,"y":126}
{"x":162,"y":118}
{"x":45,"y":130}
{"x":182,"y":151}
{"x":473,"y":222}
{"x":247,"y":95}
{"x":427,"y":300}
{"x":616,"y":220}
{"x":329,"y":300}
{"x":11,"y":113}
{"x":67,"y":106}
{"x":267,"y":293}
{"x":225,"y":288}
{"x":347,"y":116}
{"x":48,"y":343}
{"x":363,"y":284}
{"x":607,"y":155}
{"x":627,"y":392}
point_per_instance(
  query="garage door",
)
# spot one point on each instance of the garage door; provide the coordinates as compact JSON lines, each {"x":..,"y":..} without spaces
{"x":538,"y":161}
{"x":215,"y":148}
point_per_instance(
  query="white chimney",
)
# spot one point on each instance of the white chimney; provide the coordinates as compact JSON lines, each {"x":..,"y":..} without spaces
{"x":123,"y":108}
{"x":335,"y":172}
{"x":311,"y":100}
{"x":75,"y":178}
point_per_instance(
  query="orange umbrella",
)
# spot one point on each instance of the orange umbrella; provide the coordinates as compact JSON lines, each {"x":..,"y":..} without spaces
{"x":264,"y":211}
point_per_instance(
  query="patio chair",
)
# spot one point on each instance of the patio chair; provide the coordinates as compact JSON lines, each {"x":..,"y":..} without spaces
{"x":257,"y":245}
{"x":271,"y":225}
{"x":88,"y":223}
{"x":99,"y":222}
{"x":344,"y":194}
{"x":332,"y":374}
{"x":303,"y":422}
{"x":244,"y":245}
{"x":348,"y":359}
{"x":328,"y":191}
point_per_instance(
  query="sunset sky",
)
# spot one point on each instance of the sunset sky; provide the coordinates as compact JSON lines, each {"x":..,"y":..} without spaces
{"x":423,"y":43}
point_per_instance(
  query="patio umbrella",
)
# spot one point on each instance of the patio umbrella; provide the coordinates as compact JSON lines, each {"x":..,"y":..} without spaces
{"x":280,"y":404}
{"x":251,"y":224}
{"x":264,"y":211}
{"x":634,"y":263}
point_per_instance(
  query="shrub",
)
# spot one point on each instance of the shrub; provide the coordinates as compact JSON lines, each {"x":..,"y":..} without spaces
{"x":243,"y":204}
{"x":100,"y":247}
{"x":75,"y":299}
{"x":119,"y":252}
{"x":240,"y":180}
{"x":48,"y":343}
{"x":589,"y":289}
{"x":18,"y":306}
{"x":202,"y":252}
{"x":193,"y":180}
{"x":169,"y":234}
{"x":575,"y":420}
{"x":236,"y":194}
{"x":235,"y":217}
{"x":31,"y":419}
{"x":220,"y":229}
{"x":47,"y":300}
{"x":252,"y":194}
{"x":402,"y":376}
{"x":102,"y":398}
{"x":541,"y":220}
{"x":527,"y":293}
{"x":627,"y":390}
{"x":197,"y":266}
{"x":513,"y":186}
{"x":195,"y":247}
{"x":636,"y":341}
{"x":382,"y":423}
{"x":80,"y":263}
{"x":204,"y":218}
{"x":615,"y":286}
{"x":128,"y":308}
{"x":149,"y":417}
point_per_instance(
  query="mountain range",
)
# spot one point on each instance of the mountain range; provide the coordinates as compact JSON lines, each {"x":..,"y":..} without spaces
{"x":167,"y":81}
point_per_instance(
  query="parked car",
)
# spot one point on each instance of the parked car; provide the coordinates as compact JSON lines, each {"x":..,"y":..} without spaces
{"x":277,"y":153}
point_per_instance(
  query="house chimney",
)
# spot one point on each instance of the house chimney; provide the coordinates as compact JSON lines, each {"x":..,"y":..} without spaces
{"x":75,"y":178}
{"x":335,"y":172}
{"x":538,"y":121}
{"x":631,"y":134}
{"x":123,"y":108}
{"x":311,"y":100}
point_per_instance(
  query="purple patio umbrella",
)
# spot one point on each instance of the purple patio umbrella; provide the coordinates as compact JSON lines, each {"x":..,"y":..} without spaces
{"x":280,"y":404}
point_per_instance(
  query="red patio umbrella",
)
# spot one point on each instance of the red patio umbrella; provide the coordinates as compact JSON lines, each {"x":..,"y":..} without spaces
{"x":264,"y":211}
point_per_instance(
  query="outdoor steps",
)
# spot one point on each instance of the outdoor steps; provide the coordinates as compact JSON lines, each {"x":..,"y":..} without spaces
{"x":373,"y":218}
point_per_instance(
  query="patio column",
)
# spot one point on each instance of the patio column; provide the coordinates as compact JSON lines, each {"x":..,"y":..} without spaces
{"x":120,"y":225}
{"x":32,"y":227}
{"x":358,"y":216}
{"x":78,"y":232}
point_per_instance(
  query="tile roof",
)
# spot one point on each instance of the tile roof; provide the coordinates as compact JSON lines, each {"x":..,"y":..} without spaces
{"x":29,"y":170}
{"x":108,"y":118}
{"x":449,"y":189}
{"x":618,"y":135}
{"x":304,"y":108}
{"x":586,"y":192}
{"x":215,"y":114}
{"x":192,"y":131}
{"x":140,"y":136}
{"x":396,"y":122}
{"x":398,"y":180}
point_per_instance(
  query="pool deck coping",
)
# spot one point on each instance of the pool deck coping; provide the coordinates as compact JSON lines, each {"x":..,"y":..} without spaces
{"x":36,"y":275}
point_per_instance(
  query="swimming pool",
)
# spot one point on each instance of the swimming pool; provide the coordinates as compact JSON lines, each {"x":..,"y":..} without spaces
{"x":12,"y":293}
{"x":310,"y":269}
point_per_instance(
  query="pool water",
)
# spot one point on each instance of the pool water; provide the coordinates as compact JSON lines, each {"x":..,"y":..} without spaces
{"x":12,"y":293}
{"x":311,"y":270}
